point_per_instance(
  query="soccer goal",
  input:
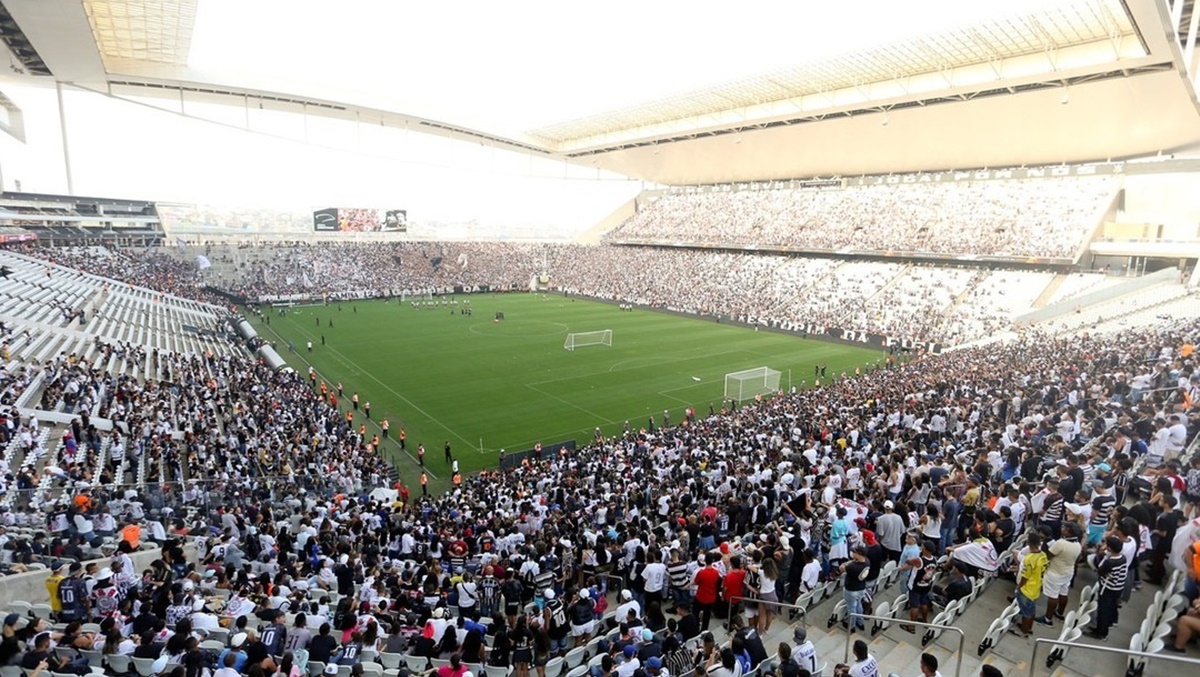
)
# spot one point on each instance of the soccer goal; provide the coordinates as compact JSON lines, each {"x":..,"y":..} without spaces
{"x":589,"y":338}
{"x":746,"y":384}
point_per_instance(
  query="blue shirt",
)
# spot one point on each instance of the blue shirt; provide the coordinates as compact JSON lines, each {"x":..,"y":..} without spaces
{"x":238,"y":663}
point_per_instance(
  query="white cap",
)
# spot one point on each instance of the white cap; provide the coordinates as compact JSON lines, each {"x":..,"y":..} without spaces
{"x":888,"y":505}
{"x":104,"y":575}
{"x":626,"y":595}
{"x":237,"y":640}
{"x":584,"y":594}
{"x":548,"y":593}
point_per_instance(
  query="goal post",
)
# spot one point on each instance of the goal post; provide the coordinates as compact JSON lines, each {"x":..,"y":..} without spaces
{"x":749,"y":383}
{"x":588,"y":338}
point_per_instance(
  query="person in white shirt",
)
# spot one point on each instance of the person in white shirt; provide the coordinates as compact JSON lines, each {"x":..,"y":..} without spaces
{"x":655,"y":576}
{"x":202,"y":618}
{"x":629,"y":604}
{"x":1176,"y":437}
{"x":804,"y":653}
{"x":864,"y":664}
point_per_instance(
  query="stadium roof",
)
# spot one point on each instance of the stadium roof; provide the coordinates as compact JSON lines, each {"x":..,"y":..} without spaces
{"x":671,"y":91}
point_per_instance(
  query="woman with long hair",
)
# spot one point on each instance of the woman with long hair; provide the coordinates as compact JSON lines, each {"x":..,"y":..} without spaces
{"x":370,"y":636}
{"x":522,"y":647}
{"x":931,"y":527}
{"x":541,"y":647}
{"x":501,"y":651}
{"x":768,"y":575}
{"x":287,"y":666}
{"x":449,"y":644}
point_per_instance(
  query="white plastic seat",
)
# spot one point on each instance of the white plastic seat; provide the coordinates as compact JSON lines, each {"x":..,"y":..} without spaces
{"x":496,"y":670}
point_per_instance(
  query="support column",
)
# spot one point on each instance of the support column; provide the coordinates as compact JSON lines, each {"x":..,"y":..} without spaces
{"x":1189,"y":49}
{"x":62,"y":125}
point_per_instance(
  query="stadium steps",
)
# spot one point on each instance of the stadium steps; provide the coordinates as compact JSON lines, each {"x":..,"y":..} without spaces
{"x":1051,"y":289}
{"x":898,"y":651}
{"x":900,"y":274}
{"x":819,"y":283}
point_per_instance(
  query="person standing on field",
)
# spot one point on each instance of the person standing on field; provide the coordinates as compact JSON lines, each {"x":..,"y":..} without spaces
{"x":449,"y":458}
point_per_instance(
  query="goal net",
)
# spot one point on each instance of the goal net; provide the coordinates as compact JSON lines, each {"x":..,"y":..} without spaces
{"x":416,"y":296}
{"x":588,"y":338}
{"x":748,"y":383}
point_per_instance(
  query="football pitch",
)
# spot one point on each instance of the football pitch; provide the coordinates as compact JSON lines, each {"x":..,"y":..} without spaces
{"x":483,"y":385}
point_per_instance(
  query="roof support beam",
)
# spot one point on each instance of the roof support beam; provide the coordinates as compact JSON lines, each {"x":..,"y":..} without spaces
{"x":1190,"y":50}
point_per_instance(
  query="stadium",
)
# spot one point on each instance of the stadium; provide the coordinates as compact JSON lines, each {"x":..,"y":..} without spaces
{"x":627,"y":340}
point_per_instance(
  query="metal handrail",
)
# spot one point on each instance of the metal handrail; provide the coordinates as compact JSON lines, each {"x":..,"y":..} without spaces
{"x":785,"y":605}
{"x":962,"y":637}
{"x":1106,"y":649}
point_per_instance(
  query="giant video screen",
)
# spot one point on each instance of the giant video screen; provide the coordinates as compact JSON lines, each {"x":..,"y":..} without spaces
{"x":344,"y":220}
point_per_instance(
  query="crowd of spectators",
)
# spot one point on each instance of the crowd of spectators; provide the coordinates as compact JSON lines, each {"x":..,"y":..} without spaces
{"x":946,"y":304}
{"x":1014,"y":218}
{"x":764,"y":500}
{"x":138,"y":266}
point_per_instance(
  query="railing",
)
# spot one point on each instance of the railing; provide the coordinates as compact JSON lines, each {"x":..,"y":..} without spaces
{"x":958,"y":655}
{"x":801,"y":611}
{"x":1105,"y":649}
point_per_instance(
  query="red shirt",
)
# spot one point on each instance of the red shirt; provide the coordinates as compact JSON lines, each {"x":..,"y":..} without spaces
{"x":733,"y":584}
{"x":708,"y":580}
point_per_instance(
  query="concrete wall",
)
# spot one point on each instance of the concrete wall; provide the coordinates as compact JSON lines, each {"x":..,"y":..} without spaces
{"x":1171,"y":200}
{"x":1070,"y":305}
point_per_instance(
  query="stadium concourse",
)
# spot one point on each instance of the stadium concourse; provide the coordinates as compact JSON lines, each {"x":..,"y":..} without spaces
{"x":217,"y":507}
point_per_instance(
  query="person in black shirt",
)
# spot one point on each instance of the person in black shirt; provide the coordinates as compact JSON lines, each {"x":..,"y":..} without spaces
{"x":959,"y":586}
{"x":857,"y":570}
{"x":147,"y":647}
{"x":274,"y":634}
{"x":322,"y":646}
{"x":875,"y":559}
{"x":1161,"y":537}
{"x":345,"y":577}
{"x":1075,"y":472}
{"x":41,"y":652}
{"x":1031,"y":467}
{"x":688,"y":624}
{"x":1004,"y":529}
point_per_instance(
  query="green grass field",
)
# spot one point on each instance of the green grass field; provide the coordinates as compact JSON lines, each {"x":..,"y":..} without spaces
{"x":485,"y":385}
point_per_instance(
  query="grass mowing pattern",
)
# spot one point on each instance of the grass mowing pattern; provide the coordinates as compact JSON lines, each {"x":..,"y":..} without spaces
{"x":450,"y":377}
